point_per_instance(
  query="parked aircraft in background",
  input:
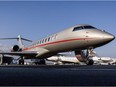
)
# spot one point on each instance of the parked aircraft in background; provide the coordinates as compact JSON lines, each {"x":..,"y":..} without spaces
{"x":63,"y":59}
{"x":66,"y":59}
{"x":76,"y":38}
{"x":104,"y":60}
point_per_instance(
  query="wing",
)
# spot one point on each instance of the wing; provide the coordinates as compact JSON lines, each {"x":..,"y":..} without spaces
{"x":27,"y":53}
{"x":38,"y":53}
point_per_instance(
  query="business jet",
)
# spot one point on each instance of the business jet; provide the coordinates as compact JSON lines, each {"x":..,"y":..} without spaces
{"x":76,"y":38}
{"x":63,"y":59}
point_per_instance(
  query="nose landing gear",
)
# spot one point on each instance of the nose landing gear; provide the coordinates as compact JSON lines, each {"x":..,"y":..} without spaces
{"x":89,"y":62}
{"x":89,"y":55}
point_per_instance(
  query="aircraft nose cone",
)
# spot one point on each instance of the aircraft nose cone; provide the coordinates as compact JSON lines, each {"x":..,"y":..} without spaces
{"x":108,"y":37}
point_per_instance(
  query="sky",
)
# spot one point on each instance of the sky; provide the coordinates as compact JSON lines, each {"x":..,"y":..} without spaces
{"x":38,"y":19}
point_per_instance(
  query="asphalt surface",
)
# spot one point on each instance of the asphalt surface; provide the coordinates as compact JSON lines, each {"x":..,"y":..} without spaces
{"x":62,"y":75}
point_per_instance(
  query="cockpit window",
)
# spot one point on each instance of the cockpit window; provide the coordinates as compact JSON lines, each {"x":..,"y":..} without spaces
{"x":77,"y":28}
{"x":83,"y":27}
{"x":89,"y":27}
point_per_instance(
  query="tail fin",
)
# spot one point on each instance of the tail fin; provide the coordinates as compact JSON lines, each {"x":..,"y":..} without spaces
{"x":20,"y":43}
{"x":19,"y":39}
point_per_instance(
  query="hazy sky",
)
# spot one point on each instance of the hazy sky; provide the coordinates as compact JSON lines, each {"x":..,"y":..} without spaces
{"x":34,"y":20}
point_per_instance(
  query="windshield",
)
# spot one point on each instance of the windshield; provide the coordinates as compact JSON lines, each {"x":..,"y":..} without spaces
{"x":83,"y":27}
{"x":89,"y":27}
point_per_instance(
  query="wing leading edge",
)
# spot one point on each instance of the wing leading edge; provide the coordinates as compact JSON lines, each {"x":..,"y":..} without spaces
{"x":38,"y":53}
{"x":26,"y":53}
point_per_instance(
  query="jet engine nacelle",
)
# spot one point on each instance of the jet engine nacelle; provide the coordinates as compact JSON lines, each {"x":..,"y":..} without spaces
{"x":15,"y":48}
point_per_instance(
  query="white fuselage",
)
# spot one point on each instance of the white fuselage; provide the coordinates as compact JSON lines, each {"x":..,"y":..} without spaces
{"x":76,"y":38}
{"x":69,"y":40}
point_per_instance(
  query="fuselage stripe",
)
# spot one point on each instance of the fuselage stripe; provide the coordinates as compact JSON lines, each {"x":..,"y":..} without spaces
{"x":55,"y":42}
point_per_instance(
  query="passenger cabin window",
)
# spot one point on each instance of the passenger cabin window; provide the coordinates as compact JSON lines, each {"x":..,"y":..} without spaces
{"x":83,"y":27}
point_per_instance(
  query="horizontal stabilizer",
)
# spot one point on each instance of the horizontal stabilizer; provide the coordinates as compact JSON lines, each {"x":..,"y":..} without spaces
{"x":16,"y":39}
{"x":19,"y":39}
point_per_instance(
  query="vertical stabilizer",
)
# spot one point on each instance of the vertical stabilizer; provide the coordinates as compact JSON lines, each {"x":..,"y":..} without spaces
{"x":20,"y":43}
{"x":19,"y":39}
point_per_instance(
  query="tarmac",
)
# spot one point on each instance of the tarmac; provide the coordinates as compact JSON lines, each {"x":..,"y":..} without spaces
{"x":58,"y":75}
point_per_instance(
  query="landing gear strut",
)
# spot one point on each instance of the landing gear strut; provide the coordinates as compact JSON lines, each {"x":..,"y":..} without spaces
{"x":89,"y":62}
{"x":21,"y":61}
{"x":1,"y":59}
{"x":89,"y":56}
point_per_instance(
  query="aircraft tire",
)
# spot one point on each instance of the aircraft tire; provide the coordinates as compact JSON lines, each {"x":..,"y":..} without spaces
{"x":42,"y":61}
{"x":1,"y":60}
{"x":90,"y":62}
{"x":21,"y":62}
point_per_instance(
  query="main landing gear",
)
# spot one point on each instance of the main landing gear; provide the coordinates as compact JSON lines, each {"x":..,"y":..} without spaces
{"x":36,"y":61}
{"x":1,"y":59}
{"x":21,"y":61}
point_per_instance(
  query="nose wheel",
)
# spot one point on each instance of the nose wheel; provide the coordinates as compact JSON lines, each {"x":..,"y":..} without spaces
{"x":89,"y":62}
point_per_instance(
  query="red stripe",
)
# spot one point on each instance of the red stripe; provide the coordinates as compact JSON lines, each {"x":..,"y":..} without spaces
{"x":61,"y":41}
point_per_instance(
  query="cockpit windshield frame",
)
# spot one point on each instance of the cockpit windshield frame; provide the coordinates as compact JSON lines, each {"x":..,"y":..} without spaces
{"x":83,"y":27}
{"x":89,"y":27}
